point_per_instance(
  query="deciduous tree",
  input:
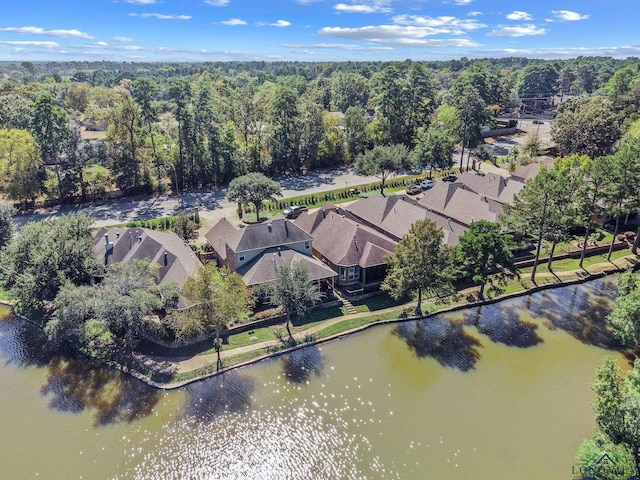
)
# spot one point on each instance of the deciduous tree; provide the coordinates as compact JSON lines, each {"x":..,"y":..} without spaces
{"x":484,"y":250}
{"x":218,"y":298}
{"x":586,"y":126}
{"x":45,"y":256}
{"x":421,"y":263}
{"x":293,"y":291}
{"x":382,"y":161}
{"x":253,"y":188}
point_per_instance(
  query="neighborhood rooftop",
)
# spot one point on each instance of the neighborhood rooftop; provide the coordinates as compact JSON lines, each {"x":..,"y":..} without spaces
{"x":175,"y":260}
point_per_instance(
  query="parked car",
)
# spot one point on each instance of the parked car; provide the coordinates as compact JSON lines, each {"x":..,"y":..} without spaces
{"x":538,"y":122}
{"x":450,"y":178}
{"x":427,"y":184}
{"x":294,"y":211}
{"x":414,"y":189}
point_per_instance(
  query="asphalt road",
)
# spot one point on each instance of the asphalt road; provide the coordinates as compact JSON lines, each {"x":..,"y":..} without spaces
{"x":213,"y":203}
{"x":208,"y":200}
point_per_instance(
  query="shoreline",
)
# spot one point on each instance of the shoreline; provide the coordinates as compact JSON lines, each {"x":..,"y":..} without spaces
{"x":628,"y":261}
{"x":614,"y":269}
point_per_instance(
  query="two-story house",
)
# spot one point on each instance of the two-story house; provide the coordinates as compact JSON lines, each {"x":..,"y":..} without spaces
{"x":255,"y":251}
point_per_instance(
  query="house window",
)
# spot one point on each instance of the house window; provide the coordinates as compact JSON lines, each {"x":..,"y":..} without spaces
{"x":241,"y":258}
{"x":353,"y":273}
{"x":307,"y":245}
{"x":343,"y":273}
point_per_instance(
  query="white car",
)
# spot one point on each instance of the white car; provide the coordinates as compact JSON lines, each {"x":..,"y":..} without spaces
{"x":294,"y":211}
{"x":427,"y":184}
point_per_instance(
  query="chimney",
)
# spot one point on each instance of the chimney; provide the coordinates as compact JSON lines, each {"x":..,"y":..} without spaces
{"x":166,"y":259}
{"x":139,"y":238}
{"x":275,"y":263}
{"x":130,"y":241}
{"x":106,"y":239}
{"x":449,"y":223}
{"x":269,"y":227}
{"x":286,"y":227}
{"x":324,"y":214}
{"x":355,"y":242}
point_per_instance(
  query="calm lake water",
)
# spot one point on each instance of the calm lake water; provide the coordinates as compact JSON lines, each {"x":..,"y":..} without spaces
{"x":499,"y":392}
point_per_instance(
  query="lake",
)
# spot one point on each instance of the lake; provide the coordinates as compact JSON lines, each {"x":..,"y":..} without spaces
{"x":496,"y":392}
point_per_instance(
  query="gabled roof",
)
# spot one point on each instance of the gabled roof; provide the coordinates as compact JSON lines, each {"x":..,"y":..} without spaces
{"x":395,"y":214}
{"x":343,"y":240}
{"x":175,"y":260}
{"x":263,"y":268}
{"x":455,"y":201}
{"x":274,"y":233}
{"x":530,"y":170}
{"x":491,"y":185}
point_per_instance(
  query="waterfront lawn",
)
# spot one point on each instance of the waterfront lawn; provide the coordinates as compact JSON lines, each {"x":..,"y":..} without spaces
{"x":573,"y":264}
{"x":378,"y":302}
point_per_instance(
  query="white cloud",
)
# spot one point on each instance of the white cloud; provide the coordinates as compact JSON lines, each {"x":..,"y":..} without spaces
{"x":462,"y":2}
{"x":377,"y":7}
{"x":519,"y":15}
{"x":444,"y":24}
{"x":517,"y":31}
{"x":474,"y":14}
{"x":101,"y":44}
{"x":280,"y":23}
{"x":569,"y":16}
{"x":142,"y":2}
{"x":217,"y":3}
{"x":232,"y":22}
{"x":132,"y":47}
{"x":396,"y":35}
{"x":160,"y":16}
{"x":335,"y":46}
{"x":20,"y":43}
{"x":122,"y":39}
{"x":49,"y":33}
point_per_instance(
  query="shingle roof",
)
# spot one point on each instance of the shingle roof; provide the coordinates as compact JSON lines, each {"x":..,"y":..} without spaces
{"x":491,"y":185}
{"x":277,"y":232}
{"x":129,"y":244}
{"x":263,"y":268}
{"x":395,"y":214}
{"x":530,"y":170}
{"x":342,"y":240}
{"x":456,"y":201}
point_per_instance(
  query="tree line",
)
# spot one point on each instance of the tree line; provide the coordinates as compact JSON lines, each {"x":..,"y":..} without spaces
{"x":198,"y":125}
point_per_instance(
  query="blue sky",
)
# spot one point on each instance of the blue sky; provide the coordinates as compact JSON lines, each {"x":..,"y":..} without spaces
{"x":316,"y":30}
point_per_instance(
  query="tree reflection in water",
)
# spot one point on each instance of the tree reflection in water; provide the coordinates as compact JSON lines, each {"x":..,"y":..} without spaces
{"x":224,"y":393}
{"x":77,"y":384}
{"x":502,"y":324}
{"x":74,"y":383}
{"x":580,"y":310}
{"x":442,"y":339}
{"x":300,"y":364}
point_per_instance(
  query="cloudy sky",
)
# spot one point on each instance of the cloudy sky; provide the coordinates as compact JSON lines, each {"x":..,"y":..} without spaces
{"x":316,"y":30}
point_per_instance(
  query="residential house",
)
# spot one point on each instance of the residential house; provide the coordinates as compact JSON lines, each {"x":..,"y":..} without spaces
{"x":174,"y":259}
{"x":353,"y":250}
{"x":491,"y":185}
{"x":255,"y":251}
{"x":471,"y":197}
{"x":393,"y":216}
{"x":530,"y":170}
